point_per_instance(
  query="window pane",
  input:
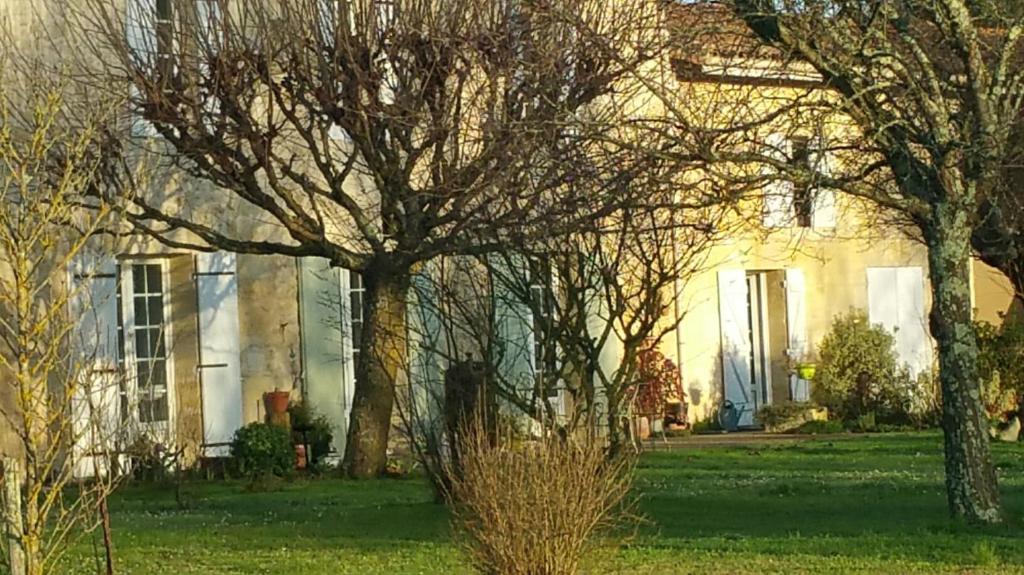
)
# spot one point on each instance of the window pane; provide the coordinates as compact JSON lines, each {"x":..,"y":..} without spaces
{"x":138,"y":278}
{"x":357,"y":334}
{"x":156,"y":339}
{"x":154,"y":279}
{"x":355,"y":301}
{"x":155,"y":307}
{"x":158,"y":378}
{"x":141,"y":315}
{"x":153,"y":410}
{"x":142,"y":343}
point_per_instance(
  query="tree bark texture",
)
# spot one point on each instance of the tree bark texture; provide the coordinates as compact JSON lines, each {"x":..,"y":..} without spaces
{"x":971,"y":484}
{"x":380,"y":365}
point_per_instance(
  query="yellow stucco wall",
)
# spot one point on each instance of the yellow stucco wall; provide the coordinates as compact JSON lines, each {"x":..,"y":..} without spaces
{"x":835,"y":272}
{"x":268,"y":314}
{"x":993,"y":295}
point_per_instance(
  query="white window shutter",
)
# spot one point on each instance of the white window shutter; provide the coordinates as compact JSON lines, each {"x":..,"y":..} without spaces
{"x":896,"y":303}
{"x":219,"y":352}
{"x":778,"y":190}
{"x":796,"y":319}
{"x":823,"y":213}
{"x":208,"y":14}
{"x":735,"y":331}
{"x":913,"y":341}
{"x":95,"y":405}
{"x":140,"y":29}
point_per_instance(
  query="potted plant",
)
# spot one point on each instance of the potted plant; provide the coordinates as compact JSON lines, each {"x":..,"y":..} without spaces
{"x":658,"y":392}
{"x":805,"y":366}
{"x":277,"y":401}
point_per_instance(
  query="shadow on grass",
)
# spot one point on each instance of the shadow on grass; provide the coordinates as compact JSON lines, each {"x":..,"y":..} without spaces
{"x":816,"y":504}
{"x":862,"y":497}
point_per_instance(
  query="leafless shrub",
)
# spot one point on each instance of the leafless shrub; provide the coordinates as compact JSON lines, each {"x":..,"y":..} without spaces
{"x":535,"y":507}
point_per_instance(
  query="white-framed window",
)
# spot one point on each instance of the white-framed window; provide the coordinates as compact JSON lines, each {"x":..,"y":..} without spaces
{"x":357,"y":309}
{"x":542,"y":315}
{"x":801,"y":202}
{"x":143,"y":333}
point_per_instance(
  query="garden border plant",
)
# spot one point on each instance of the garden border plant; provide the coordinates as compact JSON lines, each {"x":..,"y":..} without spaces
{"x":260,"y":451}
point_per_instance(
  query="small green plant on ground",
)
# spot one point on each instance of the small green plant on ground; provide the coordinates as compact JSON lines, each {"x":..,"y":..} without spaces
{"x":708,"y":425}
{"x":788,"y":415}
{"x":260,"y":451}
{"x":820,"y":427}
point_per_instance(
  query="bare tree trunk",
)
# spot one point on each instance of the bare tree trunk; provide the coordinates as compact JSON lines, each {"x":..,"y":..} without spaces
{"x":381,"y":360}
{"x":108,"y":536}
{"x":616,"y":433}
{"x":971,"y":485}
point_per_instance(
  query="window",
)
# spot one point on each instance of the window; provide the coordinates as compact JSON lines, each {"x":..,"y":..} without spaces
{"x":542,"y":315}
{"x":142,"y":334}
{"x":164,"y":39}
{"x":356,"y":302}
{"x":803,"y":200}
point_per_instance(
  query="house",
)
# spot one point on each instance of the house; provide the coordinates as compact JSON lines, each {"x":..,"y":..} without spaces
{"x":197,"y":338}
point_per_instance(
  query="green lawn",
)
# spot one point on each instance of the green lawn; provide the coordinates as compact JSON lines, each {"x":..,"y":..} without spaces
{"x":864,"y":504}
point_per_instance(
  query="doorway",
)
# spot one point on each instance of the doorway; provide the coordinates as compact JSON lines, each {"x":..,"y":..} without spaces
{"x":768,"y":336}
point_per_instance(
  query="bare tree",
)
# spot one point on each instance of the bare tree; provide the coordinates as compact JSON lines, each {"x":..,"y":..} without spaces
{"x":998,"y":237}
{"x":931,"y":88}
{"x":59,"y":399}
{"x":554,"y":327}
{"x":376,"y":134}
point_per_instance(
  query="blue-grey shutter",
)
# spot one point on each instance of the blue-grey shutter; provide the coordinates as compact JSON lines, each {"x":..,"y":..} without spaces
{"x":324,"y":359}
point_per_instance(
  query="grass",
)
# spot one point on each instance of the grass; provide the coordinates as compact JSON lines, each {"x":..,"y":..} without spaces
{"x":857,"y":505}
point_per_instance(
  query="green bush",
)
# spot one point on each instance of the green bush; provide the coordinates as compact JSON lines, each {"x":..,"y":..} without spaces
{"x":859,"y":374}
{"x":1000,"y":365}
{"x":820,"y":428}
{"x":311,"y":428}
{"x":786,"y":415}
{"x":260,"y":450}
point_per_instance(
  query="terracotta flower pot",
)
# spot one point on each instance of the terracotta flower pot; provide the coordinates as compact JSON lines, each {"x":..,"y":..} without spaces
{"x":277,"y":401}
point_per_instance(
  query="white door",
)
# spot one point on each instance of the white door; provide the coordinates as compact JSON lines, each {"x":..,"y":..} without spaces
{"x":736,"y":352}
{"x":896,"y":302}
{"x":219,"y":354}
